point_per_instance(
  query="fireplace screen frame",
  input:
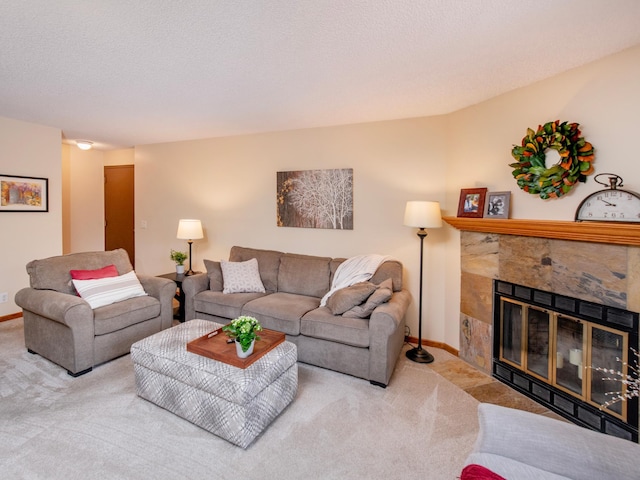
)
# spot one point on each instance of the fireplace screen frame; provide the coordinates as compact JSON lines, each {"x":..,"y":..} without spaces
{"x":559,"y":388}
{"x":558,"y":361}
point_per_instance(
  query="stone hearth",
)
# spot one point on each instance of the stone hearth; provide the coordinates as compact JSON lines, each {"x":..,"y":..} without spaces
{"x":597,"y":272}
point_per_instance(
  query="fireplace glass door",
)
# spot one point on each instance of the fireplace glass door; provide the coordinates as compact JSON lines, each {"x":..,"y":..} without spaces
{"x":512,"y":320}
{"x":538,"y":341}
{"x":608,"y":351}
{"x":569,"y":354}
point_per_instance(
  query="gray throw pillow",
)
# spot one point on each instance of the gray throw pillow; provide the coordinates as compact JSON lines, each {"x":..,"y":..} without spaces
{"x":214,"y":272}
{"x":382,"y":295}
{"x":346,"y":298}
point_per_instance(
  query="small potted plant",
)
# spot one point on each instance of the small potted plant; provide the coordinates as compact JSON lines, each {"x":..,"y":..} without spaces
{"x":244,"y":331}
{"x":179,"y":258}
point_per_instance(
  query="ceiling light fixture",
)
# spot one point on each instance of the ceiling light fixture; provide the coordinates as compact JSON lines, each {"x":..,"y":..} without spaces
{"x":84,"y":144}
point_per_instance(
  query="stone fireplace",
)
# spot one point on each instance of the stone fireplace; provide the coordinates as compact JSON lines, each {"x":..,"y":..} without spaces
{"x":598,"y":264}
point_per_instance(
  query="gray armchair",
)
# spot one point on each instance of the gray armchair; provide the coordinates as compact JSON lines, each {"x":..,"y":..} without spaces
{"x":62,"y":327}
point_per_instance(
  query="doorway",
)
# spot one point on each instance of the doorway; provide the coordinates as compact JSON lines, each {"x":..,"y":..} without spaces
{"x":119,"y":220}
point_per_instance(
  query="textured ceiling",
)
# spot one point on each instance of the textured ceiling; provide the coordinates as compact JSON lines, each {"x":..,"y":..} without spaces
{"x":124,"y":73}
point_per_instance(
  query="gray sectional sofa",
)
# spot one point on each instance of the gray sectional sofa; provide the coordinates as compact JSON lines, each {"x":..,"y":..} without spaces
{"x":521,"y":445}
{"x":294,"y":286}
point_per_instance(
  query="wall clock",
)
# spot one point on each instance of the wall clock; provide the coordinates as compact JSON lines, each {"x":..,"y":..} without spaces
{"x":611,"y":204}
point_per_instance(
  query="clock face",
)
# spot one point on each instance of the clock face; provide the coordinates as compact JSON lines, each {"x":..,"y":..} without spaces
{"x":610,"y":206}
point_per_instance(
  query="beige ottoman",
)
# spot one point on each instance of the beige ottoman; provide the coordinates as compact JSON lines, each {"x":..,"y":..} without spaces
{"x":233,"y":403}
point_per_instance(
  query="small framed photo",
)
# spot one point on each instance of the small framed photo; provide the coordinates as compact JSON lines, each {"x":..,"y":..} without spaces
{"x":497,"y":204}
{"x":471,"y":202}
{"x":24,"y":194}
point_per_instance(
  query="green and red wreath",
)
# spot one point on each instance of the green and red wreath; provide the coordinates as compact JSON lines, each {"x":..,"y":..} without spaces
{"x":576,"y":157}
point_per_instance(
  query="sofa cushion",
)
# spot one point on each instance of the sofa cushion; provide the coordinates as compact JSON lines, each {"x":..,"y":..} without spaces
{"x":241,"y":277}
{"x":214,"y":272}
{"x":225,"y":305}
{"x":347,"y":298}
{"x":381,"y":295}
{"x":268,"y":264}
{"x":281,"y":311}
{"x":304,"y":275}
{"x":104,"y":272}
{"x":321,"y":323}
{"x":117,"y":316}
{"x":105,"y":291}
{"x":53,"y":273}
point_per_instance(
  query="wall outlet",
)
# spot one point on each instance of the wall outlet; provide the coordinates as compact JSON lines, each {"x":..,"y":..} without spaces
{"x":4,"y":297}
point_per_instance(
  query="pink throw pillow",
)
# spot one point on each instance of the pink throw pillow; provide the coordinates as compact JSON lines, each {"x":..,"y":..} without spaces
{"x":104,"y":272}
{"x":478,"y":472}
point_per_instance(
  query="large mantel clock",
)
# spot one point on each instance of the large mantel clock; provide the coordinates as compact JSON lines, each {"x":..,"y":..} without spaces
{"x":611,"y":204}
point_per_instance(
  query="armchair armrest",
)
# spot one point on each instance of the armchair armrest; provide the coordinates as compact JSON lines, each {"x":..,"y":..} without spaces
{"x":164,"y":290}
{"x":60,"y":307}
{"x":157,"y":287}
{"x":191,"y":286}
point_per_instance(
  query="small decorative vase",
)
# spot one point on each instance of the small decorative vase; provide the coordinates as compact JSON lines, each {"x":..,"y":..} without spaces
{"x":179,"y":269}
{"x":249,"y":351}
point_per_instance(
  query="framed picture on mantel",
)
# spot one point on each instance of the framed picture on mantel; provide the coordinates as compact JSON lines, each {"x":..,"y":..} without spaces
{"x":497,"y":205}
{"x":471,"y":202}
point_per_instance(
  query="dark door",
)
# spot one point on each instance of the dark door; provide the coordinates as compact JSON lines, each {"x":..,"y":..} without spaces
{"x":118,"y":209}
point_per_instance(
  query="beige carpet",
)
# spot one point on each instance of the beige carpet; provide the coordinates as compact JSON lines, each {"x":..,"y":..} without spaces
{"x":339,"y":427}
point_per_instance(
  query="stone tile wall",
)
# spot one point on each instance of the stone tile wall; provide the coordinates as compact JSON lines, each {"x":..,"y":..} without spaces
{"x":602,"y":273}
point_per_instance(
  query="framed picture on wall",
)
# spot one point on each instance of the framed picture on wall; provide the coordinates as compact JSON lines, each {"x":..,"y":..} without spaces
{"x":24,"y":194}
{"x":497,"y":205}
{"x":471,"y":202}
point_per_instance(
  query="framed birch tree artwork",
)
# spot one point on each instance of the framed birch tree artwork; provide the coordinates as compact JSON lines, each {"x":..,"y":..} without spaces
{"x":315,"y":199}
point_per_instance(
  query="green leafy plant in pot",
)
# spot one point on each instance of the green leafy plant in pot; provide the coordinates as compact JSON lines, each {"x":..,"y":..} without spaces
{"x":179,"y":258}
{"x":243,"y":330}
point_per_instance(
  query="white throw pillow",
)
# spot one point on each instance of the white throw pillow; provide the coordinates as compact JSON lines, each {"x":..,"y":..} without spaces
{"x":241,"y":277}
{"x":105,"y":291}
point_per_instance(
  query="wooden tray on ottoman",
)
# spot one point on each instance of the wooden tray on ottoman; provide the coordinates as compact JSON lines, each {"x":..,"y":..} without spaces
{"x":217,"y":348}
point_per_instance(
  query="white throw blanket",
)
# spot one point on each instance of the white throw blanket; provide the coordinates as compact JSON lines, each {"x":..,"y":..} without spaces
{"x":353,"y":270}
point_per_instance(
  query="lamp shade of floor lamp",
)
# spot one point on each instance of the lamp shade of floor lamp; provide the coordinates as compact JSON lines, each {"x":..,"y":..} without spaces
{"x":421,"y":215}
{"x":189,"y":229}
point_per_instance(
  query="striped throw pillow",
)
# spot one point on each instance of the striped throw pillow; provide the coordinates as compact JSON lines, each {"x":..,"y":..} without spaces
{"x":105,"y":291}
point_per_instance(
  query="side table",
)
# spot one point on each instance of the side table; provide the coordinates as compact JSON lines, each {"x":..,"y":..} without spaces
{"x":179,"y":296}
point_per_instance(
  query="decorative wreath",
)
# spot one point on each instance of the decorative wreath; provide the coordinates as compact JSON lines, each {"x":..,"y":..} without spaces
{"x":576,"y":157}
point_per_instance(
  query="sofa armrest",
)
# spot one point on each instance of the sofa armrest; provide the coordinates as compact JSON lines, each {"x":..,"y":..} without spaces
{"x":555,"y":446}
{"x":60,"y":307}
{"x":191,"y":286}
{"x":387,"y":317}
{"x":386,"y":336}
{"x":164,"y":290}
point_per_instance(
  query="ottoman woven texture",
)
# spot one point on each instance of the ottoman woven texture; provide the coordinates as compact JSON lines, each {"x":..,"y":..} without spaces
{"x":233,"y":403}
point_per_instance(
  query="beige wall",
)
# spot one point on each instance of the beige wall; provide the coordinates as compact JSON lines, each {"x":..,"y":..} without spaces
{"x":230,"y":184}
{"x":30,"y":150}
{"x":83,"y":195}
{"x":86,"y":194}
{"x":602,"y":96}
{"x":124,"y":156}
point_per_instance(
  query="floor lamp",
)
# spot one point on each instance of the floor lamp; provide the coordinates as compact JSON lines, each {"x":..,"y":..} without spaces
{"x":189,"y":229}
{"x":421,"y":215}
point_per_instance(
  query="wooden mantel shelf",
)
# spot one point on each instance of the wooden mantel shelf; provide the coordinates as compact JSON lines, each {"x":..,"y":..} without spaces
{"x":612,"y":233}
